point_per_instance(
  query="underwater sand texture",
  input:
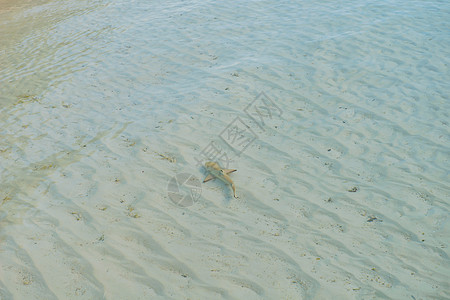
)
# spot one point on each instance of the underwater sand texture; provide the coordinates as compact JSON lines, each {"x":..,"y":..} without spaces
{"x":345,"y":195}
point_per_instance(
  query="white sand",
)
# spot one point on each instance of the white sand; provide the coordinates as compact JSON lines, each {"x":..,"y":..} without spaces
{"x":103,"y":102}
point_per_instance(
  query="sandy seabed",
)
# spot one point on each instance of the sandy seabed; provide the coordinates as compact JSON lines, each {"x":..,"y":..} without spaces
{"x":343,"y":162}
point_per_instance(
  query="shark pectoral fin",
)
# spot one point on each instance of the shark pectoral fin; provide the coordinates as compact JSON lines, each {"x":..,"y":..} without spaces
{"x":228,"y":171}
{"x":208,"y":178}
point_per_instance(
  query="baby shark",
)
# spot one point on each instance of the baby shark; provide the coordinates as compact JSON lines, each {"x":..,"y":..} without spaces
{"x":215,"y":171}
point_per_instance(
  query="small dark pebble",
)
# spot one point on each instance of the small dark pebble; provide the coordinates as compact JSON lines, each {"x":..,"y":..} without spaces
{"x":371,"y":219}
{"x":353,"y":189}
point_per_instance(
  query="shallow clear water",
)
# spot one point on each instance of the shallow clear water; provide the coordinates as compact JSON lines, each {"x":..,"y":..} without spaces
{"x":102,"y":102}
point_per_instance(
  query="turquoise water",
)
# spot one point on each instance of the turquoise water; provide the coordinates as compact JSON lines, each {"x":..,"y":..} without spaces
{"x":94,"y":93}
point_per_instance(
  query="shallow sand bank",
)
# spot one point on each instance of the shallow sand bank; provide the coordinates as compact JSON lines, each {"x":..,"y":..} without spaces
{"x":343,"y":193}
